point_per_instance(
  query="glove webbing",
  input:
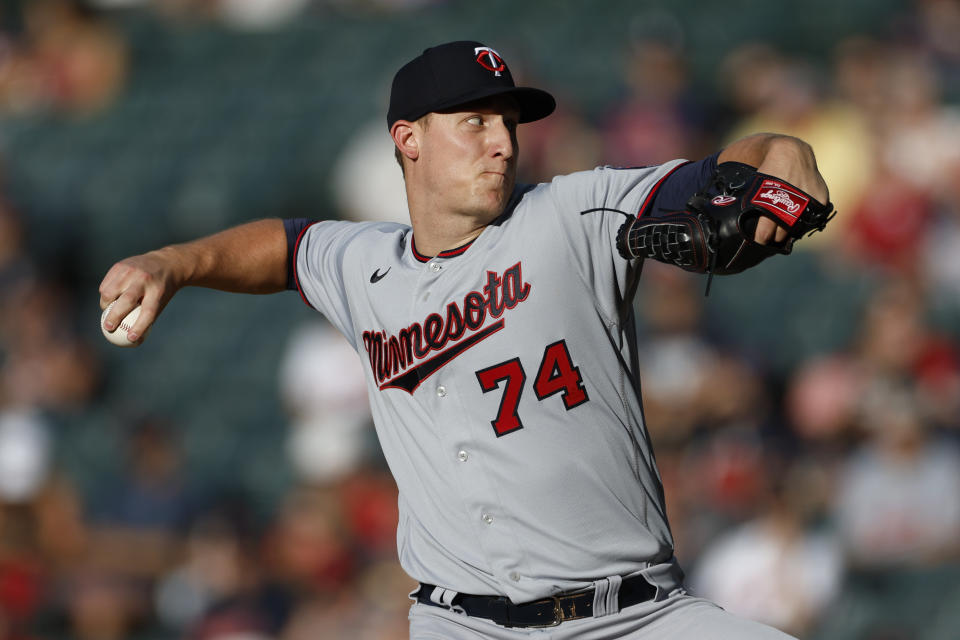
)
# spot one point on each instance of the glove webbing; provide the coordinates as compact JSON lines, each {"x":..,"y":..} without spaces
{"x":680,"y":239}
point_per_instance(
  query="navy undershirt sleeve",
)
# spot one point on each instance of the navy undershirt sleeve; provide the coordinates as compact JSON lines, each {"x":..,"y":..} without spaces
{"x":294,"y":227}
{"x":681,"y":184}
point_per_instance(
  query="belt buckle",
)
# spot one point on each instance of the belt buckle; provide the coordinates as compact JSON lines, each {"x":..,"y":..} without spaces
{"x":557,"y":615}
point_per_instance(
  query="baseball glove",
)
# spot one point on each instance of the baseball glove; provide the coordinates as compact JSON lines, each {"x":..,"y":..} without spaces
{"x":715,"y":233}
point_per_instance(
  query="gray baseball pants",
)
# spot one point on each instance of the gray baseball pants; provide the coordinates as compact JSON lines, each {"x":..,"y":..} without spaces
{"x":676,"y":617}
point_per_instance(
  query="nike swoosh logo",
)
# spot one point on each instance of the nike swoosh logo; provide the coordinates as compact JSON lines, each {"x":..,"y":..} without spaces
{"x":377,"y":276}
{"x":410,"y":380}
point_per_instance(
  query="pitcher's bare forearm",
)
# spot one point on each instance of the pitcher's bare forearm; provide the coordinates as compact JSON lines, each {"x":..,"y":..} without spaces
{"x":250,"y":258}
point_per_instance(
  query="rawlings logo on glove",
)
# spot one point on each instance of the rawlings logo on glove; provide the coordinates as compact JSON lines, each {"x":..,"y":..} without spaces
{"x":784,"y":201}
{"x":711,"y":236}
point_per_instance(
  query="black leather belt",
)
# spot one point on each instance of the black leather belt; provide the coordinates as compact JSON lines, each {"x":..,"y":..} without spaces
{"x":547,"y":612}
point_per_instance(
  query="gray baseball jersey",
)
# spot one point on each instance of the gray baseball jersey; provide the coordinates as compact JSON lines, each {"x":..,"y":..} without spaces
{"x":502,"y":380}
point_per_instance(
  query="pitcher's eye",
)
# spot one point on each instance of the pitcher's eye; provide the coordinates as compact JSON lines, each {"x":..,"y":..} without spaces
{"x":477,"y":121}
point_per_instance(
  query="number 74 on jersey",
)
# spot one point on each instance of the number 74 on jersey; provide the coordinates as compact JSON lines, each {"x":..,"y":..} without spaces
{"x":556,"y":374}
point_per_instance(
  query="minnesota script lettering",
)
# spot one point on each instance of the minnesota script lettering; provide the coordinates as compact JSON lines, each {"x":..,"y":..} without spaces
{"x":404,"y":360}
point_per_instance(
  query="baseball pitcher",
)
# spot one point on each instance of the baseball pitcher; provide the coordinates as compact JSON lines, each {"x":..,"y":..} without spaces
{"x":499,"y":347}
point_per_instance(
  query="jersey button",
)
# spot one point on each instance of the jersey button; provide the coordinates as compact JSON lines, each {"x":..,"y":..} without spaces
{"x":441,"y":391}
{"x":435,"y":266}
{"x":462,"y":456}
{"x":515,"y":576}
{"x":488,"y":518}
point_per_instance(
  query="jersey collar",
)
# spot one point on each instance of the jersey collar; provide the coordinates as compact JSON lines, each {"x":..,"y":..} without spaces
{"x":449,"y":253}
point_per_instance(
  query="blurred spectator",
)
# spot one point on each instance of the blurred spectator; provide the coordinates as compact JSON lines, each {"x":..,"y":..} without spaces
{"x":324,"y":392}
{"x":321,"y":372}
{"x":940,"y":261}
{"x":219,"y":590}
{"x":894,"y":222}
{"x":859,"y":70}
{"x":25,"y":455}
{"x":896,"y":343}
{"x":563,"y":143}
{"x":720,"y":474}
{"x":103,"y":606}
{"x":367,"y":182}
{"x":372,"y":607}
{"x":822,"y":399}
{"x":309,"y":547}
{"x":23,"y":579}
{"x":785,"y":95}
{"x":675,"y":357}
{"x":68,"y":59}
{"x":336,"y":547}
{"x":136,"y":518}
{"x":661,"y":117}
{"x":42,"y":539}
{"x":918,"y":133}
{"x":939,"y":22}
{"x":891,"y":507}
{"x":61,"y":530}
{"x":43,"y":363}
{"x":889,"y":224}
{"x":776,"y":568}
{"x":46,"y":364}
{"x":893,"y":343}
{"x":151,"y":494}
{"x":370,"y":507}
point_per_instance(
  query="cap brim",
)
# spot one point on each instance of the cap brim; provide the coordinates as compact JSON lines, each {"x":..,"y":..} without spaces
{"x":534,"y":104}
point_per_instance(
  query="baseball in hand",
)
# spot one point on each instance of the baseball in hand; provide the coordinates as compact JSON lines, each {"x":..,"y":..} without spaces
{"x":119,"y":335}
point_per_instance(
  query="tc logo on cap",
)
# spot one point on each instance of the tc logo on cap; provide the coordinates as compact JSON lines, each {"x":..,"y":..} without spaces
{"x":489,"y":59}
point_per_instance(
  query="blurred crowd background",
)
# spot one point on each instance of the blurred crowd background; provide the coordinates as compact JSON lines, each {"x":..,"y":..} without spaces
{"x":224,"y":481}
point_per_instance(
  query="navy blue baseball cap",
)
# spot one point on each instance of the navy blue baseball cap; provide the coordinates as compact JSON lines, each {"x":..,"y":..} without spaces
{"x":456,"y":73}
